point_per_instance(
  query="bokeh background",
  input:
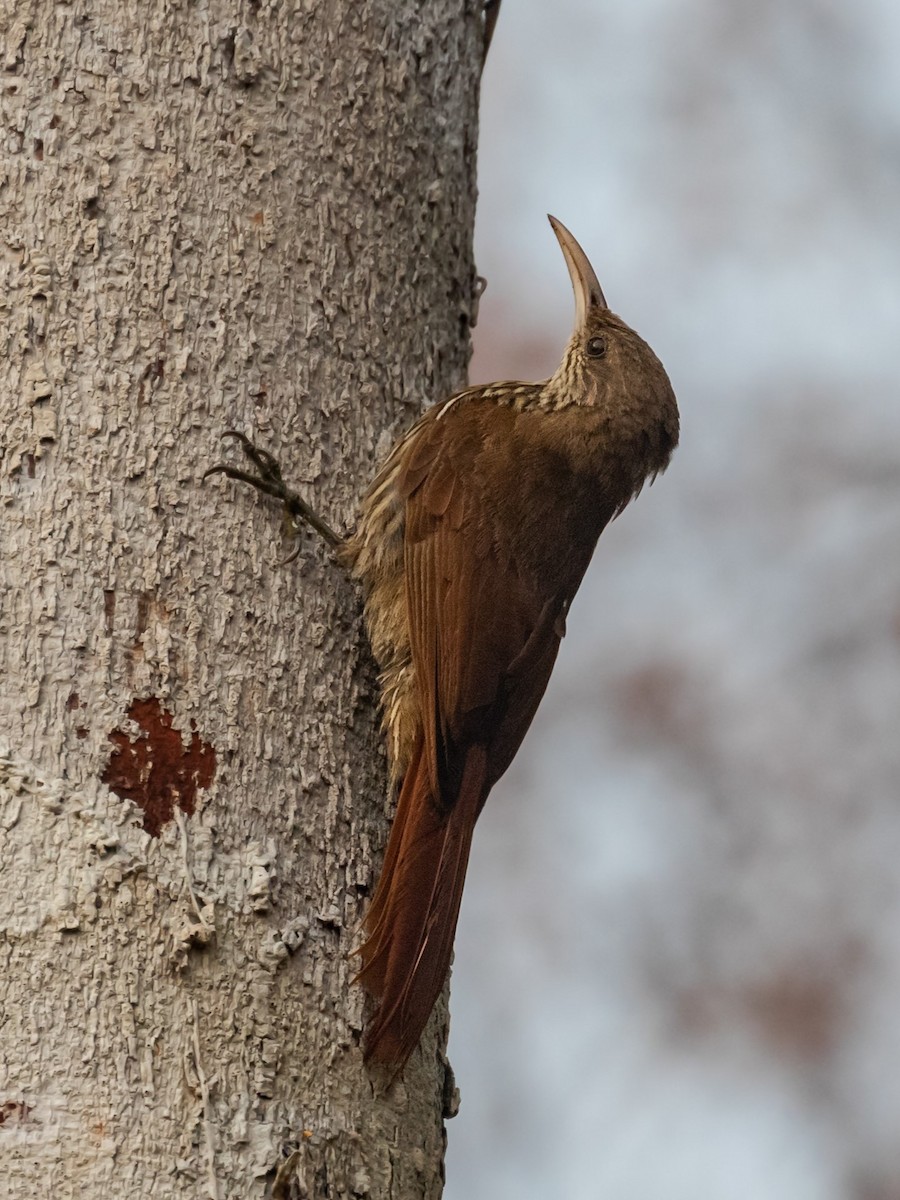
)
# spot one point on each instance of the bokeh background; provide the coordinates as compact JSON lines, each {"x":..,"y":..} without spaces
{"x":678,"y":966}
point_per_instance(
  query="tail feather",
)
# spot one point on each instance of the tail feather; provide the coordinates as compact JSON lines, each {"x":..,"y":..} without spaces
{"x":412,"y":919}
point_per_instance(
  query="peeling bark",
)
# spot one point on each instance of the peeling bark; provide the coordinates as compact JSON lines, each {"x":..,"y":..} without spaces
{"x":217,"y":216}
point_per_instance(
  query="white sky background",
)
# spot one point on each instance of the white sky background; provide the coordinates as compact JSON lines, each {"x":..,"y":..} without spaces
{"x":678,"y":966}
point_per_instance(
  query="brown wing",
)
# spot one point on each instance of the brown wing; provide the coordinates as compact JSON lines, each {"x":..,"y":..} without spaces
{"x":488,"y":582}
{"x":485,"y":620}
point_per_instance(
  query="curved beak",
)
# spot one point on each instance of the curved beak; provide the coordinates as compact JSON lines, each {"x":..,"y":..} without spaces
{"x":588,"y":292}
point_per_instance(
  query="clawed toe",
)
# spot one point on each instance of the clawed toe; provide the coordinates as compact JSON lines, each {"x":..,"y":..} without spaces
{"x":269,"y":477}
{"x":265,"y":463}
{"x":271,"y":481}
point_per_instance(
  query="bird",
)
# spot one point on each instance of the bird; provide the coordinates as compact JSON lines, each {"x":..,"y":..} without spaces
{"x":470,"y":545}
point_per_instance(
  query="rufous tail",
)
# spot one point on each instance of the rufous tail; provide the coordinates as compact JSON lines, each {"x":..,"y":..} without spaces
{"x":411,"y":922}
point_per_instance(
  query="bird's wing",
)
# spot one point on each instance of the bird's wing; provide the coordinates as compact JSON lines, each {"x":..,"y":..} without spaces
{"x":484,"y":630}
{"x":483,"y":644}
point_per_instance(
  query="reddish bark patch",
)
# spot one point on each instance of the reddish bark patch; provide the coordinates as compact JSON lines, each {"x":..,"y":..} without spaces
{"x":73,"y":702}
{"x":14,"y":1110}
{"x":155,"y":770}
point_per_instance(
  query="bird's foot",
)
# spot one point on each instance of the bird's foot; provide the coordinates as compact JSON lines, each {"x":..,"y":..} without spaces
{"x":270,"y":480}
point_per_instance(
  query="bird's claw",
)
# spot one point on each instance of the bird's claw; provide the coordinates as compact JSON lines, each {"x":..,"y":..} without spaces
{"x":265,"y":463}
{"x":271,"y":482}
{"x":270,"y":476}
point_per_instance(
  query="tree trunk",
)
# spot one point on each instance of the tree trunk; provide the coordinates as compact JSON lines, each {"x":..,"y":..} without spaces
{"x":241,"y":215}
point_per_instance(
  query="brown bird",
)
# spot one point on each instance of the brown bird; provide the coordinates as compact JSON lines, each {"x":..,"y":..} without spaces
{"x":470,"y":546}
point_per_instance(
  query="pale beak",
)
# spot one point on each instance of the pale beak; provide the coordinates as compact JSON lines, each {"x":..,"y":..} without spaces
{"x":588,"y":292}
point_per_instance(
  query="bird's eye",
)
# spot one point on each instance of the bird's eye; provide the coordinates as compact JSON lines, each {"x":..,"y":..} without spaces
{"x":596,"y":347}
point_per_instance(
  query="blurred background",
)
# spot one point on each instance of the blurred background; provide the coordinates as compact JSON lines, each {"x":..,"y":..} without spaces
{"x":678,"y":967}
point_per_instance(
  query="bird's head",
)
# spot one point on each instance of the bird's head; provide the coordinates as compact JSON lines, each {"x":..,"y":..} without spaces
{"x":610,"y":368}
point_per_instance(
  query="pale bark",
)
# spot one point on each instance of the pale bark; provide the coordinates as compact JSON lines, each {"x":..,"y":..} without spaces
{"x":227,"y":215}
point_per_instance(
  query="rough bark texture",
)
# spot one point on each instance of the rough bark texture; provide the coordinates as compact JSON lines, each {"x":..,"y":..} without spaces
{"x":218,"y":215}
